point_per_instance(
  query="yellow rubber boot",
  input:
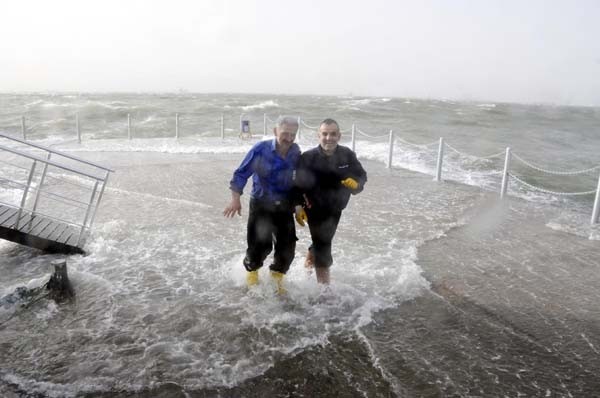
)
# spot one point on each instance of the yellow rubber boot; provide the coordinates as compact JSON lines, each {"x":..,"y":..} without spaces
{"x":252,"y":278}
{"x":278,"y":278}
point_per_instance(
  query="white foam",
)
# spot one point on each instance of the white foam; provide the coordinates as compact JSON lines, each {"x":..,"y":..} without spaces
{"x":11,"y":196}
{"x":178,"y":202}
{"x":55,"y":105}
{"x":174,"y":288}
{"x":463,"y":169}
{"x":166,"y":145}
{"x":575,"y":223}
{"x":147,"y":120}
{"x":47,"y":312}
{"x":34,"y":103}
{"x":365,"y":101}
{"x":261,"y":105}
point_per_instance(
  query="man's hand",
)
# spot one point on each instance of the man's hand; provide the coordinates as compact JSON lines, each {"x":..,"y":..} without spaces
{"x":350,"y":183}
{"x":234,"y":207}
{"x":301,"y":217}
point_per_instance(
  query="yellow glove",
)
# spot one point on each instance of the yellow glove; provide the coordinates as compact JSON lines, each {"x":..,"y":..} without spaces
{"x":350,"y":183}
{"x":301,"y":217}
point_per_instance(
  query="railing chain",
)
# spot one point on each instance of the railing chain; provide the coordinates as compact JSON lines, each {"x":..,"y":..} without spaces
{"x":556,"y":172}
{"x":386,"y":135}
{"x":417,"y":145}
{"x":548,"y":191}
{"x":474,"y":156}
{"x":309,"y":127}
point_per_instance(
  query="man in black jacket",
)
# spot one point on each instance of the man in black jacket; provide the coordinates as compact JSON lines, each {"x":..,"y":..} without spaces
{"x":325,"y":178}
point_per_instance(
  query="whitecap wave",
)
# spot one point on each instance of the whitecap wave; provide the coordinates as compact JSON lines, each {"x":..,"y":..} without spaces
{"x":261,"y":105}
{"x":365,"y":101}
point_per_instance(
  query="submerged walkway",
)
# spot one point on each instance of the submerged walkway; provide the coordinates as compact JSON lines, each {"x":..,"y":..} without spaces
{"x":512,"y":312}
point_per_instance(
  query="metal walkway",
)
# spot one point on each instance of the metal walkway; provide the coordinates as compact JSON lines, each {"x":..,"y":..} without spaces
{"x":51,"y":207}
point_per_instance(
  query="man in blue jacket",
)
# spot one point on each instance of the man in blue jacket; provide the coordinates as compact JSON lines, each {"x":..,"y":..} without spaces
{"x":271,"y":164}
{"x":326,"y":177}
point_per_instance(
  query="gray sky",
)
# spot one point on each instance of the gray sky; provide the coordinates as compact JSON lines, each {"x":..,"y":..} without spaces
{"x":504,"y":50}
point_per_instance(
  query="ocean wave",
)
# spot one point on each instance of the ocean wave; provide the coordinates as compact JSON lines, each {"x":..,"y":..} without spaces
{"x":163,"y":145}
{"x":55,"y":105}
{"x":151,"y":119}
{"x":365,"y":101}
{"x":574,"y":224}
{"x":34,"y":103}
{"x":469,"y":171}
{"x":115,"y":105}
{"x":261,"y":105}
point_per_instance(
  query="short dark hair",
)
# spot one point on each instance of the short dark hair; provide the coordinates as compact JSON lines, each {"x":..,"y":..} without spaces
{"x":330,"y":121}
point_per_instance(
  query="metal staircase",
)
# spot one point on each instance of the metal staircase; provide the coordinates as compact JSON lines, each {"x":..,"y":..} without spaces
{"x":48,"y":198}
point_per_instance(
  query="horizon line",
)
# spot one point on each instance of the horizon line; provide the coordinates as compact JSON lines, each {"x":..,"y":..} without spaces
{"x":184,"y":92}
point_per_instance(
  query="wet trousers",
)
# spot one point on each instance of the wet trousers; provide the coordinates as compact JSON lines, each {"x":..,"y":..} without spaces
{"x":270,"y":224}
{"x":322,"y":224}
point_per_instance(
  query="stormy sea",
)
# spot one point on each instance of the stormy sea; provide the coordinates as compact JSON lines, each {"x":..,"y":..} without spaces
{"x":439,"y":288}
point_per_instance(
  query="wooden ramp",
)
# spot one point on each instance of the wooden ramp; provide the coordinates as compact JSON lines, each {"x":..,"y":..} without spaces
{"x":40,"y":232}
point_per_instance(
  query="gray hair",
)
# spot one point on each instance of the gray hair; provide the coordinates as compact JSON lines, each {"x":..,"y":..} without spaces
{"x":288,"y":121}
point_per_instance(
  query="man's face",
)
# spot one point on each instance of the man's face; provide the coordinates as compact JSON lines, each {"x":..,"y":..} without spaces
{"x":329,"y":136}
{"x":285,"y":136}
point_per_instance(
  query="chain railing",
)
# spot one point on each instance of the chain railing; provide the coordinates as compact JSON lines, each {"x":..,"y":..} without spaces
{"x":354,"y":130}
{"x":555,"y":172}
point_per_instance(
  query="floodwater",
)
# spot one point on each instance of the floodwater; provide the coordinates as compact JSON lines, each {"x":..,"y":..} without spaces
{"x":438,"y":289}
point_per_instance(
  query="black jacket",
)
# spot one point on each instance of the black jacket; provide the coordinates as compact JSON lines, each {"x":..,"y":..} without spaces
{"x":319,"y":177}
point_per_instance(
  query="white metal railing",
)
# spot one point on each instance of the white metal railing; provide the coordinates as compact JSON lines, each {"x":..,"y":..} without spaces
{"x":36,"y":186}
{"x":391,"y":138}
{"x":507,"y":175}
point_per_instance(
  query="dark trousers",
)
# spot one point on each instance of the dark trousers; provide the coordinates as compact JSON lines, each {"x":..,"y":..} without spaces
{"x":270,"y":223}
{"x":322,"y":224}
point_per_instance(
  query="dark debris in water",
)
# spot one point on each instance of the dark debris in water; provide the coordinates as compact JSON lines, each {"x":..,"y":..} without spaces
{"x":20,"y":294}
{"x":58,"y":288}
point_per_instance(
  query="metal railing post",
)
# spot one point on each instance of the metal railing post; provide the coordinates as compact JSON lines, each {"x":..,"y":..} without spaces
{"x":505,"y":174}
{"x":391,"y":154}
{"x":176,"y":125}
{"x":77,"y":128}
{"x":98,"y":201}
{"x":23,"y":128}
{"x":299,"y":128}
{"x":128,"y":126}
{"x":39,"y":189}
{"x":264,"y":124}
{"x":353,"y":138}
{"x":222,"y":127}
{"x":25,"y":191}
{"x":87,"y":212}
{"x":596,"y":211}
{"x":438,"y":174}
